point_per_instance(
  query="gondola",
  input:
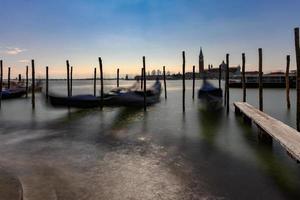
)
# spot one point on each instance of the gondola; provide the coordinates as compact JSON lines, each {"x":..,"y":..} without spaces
{"x":210,"y":96}
{"x":113,"y":98}
{"x":135,"y":98}
{"x":13,"y":93}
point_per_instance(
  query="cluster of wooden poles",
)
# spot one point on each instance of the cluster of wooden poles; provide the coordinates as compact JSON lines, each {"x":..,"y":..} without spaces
{"x":143,"y":80}
{"x":260,"y":79}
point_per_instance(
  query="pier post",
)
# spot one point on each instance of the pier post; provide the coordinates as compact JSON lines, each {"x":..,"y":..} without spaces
{"x":32,"y":85}
{"x":47,"y":82}
{"x":71,"y":81}
{"x":101,"y":83}
{"x":26,"y":86}
{"x":243,"y":77}
{"x":1,"y":80}
{"x":20,"y":78}
{"x":118,"y":76}
{"x":165,"y":83}
{"x":68,"y":78}
{"x":183,"y":81}
{"x":193,"y":82}
{"x":220,"y":76}
{"x":8,"y":78}
{"x":142,"y":79}
{"x":144,"y":74}
{"x":297,"y":48}
{"x":260,"y":80}
{"x":287,"y":82}
{"x":95,"y":80}
{"x":227,"y":83}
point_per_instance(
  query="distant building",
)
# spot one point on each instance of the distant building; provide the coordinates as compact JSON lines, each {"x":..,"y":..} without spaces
{"x":201,"y":62}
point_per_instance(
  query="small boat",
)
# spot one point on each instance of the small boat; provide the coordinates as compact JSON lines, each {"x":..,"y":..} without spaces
{"x":210,"y":96}
{"x":122,"y":97}
{"x":77,"y":101}
{"x":135,"y":98}
{"x":12,"y":93}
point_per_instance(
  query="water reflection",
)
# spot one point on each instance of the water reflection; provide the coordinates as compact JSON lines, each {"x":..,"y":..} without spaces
{"x":210,"y":121}
{"x":270,"y":164}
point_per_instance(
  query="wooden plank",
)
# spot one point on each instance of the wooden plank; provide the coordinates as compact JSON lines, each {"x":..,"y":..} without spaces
{"x":287,"y":136}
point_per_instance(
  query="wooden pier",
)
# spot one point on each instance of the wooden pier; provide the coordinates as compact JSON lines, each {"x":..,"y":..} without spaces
{"x":287,"y":136}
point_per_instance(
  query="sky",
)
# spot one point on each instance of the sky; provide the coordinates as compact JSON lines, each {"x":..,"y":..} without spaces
{"x":122,"y":31}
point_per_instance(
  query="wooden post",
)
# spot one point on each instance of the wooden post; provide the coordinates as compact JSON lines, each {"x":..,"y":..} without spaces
{"x":95,"y":80}
{"x":142,"y":79}
{"x":47,"y":82}
{"x":19,"y":78}
{"x":26,"y":86}
{"x":183,"y":81}
{"x":68,"y":78}
{"x":193,"y":82}
{"x":1,"y":80}
{"x":220,"y":76}
{"x":243,"y":77}
{"x":32,"y":84}
{"x":165,"y":83}
{"x":260,"y":80}
{"x":287,"y":81}
{"x":118,"y":76}
{"x":227,"y":83}
{"x":71,"y":81}
{"x":8,"y":78}
{"x":144,"y":73}
{"x":297,"y":48}
{"x":101,"y":82}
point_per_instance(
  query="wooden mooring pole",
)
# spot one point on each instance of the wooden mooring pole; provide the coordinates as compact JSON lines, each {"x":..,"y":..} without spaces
{"x":71,"y":81}
{"x":118,"y":77}
{"x":244,"y":77}
{"x":32,"y":85}
{"x":144,"y":77}
{"x":1,"y":80}
{"x":227,"y":83}
{"x":297,"y":49}
{"x":183,"y":81}
{"x":8,"y":78}
{"x":47,"y":81}
{"x":165,"y":83}
{"x":101,"y":83}
{"x":26,"y":85}
{"x":260,"y":80}
{"x":95,"y":80}
{"x":193,"y":82}
{"x":19,"y":77}
{"x":287,"y":81}
{"x":220,"y":76}
{"x":68,"y":78}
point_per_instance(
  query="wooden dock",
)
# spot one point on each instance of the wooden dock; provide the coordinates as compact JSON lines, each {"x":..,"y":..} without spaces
{"x":287,"y":136}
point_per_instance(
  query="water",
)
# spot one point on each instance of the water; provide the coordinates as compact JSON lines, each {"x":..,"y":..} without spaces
{"x":122,"y":153}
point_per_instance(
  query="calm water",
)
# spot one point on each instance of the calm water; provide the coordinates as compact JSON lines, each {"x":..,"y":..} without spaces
{"x":123,"y":153}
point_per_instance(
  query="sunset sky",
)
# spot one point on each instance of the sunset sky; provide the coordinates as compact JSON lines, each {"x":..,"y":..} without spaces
{"x":122,"y":31}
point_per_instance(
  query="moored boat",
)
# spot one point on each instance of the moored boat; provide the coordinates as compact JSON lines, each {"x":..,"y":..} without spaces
{"x":12,"y":93}
{"x":210,"y":96}
{"x":114,"y":98}
{"x":135,"y":98}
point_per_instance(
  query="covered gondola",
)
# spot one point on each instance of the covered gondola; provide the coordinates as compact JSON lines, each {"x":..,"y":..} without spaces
{"x":122,"y":97}
{"x":210,"y":96}
{"x":12,"y":93}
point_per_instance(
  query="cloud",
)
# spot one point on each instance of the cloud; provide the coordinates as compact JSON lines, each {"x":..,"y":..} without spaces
{"x":23,"y":61}
{"x":13,"y":50}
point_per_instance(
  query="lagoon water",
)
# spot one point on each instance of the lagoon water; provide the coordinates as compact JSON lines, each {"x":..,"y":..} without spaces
{"x":122,"y":153}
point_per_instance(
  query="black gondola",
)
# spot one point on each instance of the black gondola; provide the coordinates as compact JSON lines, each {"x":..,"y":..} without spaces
{"x":210,"y":96}
{"x":114,"y":98}
{"x":12,"y":93}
